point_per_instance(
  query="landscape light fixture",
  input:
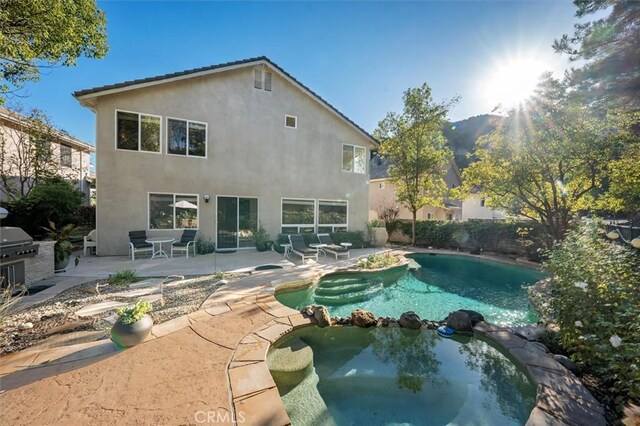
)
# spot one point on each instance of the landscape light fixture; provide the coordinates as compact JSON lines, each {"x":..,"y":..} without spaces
{"x":3,"y":213}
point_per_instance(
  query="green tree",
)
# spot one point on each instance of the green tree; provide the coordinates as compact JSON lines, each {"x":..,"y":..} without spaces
{"x":45,"y":33}
{"x":610,"y":47}
{"x":417,"y":150}
{"x":546,"y":162}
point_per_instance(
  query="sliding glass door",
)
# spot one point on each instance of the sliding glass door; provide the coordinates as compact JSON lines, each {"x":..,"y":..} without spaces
{"x":237,"y":222}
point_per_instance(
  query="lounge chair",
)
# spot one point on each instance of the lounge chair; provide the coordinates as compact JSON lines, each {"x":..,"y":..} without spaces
{"x":138,"y":243}
{"x":299,"y":247}
{"x":188,"y":241}
{"x":90,"y":241}
{"x":332,"y":248}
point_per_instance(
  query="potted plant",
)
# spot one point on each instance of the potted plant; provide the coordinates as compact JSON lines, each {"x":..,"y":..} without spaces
{"x":261,"y":237}
{"x":63,"y":247}
{"x":133,"y":324}
{"x":378,"y":233}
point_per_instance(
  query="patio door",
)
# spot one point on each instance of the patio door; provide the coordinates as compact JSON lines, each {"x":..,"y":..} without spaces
{"x":237,"y":222}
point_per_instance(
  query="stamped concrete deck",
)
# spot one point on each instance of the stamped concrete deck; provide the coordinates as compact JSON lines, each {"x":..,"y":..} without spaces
{"x":210,"y":366}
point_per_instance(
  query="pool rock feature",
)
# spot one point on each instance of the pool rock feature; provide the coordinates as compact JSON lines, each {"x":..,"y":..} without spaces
{"x":410,"y":320}
{"x":363,"y":319}
{"x":566,"y":362}
{"x":463,"y":320}
{"x":319,"y":312}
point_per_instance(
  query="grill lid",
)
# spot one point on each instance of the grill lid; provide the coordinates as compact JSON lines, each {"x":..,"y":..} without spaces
{"x":11,"y":236}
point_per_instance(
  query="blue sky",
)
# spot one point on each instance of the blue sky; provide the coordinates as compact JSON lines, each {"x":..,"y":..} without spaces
{"x":360,"y":56}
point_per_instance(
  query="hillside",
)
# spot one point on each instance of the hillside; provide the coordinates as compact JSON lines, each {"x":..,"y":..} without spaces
{"x":462,"y":135}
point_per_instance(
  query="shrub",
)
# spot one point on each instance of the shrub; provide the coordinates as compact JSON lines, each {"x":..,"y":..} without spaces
{"x":53,"y":200}
{"x":596,"y":303}
{"x":434,"y":232}
{"x":377,"y":261}
{"x":260,"y":238}
{"x":133,"y":313}
{"x":205,"y":246}
{"x":123,"y":277}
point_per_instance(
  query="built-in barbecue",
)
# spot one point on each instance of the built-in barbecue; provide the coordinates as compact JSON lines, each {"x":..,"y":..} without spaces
{"x":15,"y":246}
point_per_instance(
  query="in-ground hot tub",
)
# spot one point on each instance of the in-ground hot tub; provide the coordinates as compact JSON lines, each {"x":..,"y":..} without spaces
{"x":390,"y":376}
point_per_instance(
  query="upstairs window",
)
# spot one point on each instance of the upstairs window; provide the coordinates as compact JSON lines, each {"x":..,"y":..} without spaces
{"x":262,"y":79}
{"x":354,"y":159}
{"x":186,"y":137}
{"x":137,"y":132}
{"x":291,"y":121}
{"x":65,"y":156}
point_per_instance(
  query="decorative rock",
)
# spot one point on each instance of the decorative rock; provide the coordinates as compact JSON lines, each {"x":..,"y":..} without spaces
{"x":362,"y":318}
{"x":321,"y":314}
{"x":566,"y":362}
{"x":410,"y":320}
{"x":307,"y":310}
{"x":463,"y":320}
{"x":223,"y":282}
{"x":25,"y":326}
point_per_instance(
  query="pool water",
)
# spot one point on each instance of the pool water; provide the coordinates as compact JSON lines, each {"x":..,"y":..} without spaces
{"x":395,"y":376}
{"x":442,"y":284}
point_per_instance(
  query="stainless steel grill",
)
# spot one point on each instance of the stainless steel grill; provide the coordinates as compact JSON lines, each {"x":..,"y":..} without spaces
{"x":15,"y":246}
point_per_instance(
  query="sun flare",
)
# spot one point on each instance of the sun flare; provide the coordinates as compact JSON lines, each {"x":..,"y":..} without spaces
{"x":511,"y":81}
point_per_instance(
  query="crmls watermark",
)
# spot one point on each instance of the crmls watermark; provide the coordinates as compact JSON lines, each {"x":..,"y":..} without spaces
{"x":219,"y":417}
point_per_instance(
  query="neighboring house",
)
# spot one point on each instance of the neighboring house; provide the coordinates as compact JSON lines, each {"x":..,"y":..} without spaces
{"x":382,"y":194}
{"x":473,"y":207}
{"x":70,"y":157}
{"x":223,"y":149}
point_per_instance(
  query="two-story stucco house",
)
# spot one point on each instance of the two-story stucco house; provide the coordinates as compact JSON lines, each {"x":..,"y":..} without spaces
{"x":382,"y":194}
{"x":69,"y":156}
{"x":223,"y":149}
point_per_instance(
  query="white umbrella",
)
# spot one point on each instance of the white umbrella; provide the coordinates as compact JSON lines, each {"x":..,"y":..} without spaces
{"x":184,"y":205}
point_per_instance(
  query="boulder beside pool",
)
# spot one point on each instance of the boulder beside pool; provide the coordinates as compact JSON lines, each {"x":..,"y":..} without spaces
{"x":362,"y":318}
{"x":463,"y":320}
{"x":410,"y":320}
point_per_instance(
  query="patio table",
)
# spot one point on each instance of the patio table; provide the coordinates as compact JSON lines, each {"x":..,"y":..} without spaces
{"x":157,"y":246}
{"x":319,"y":248}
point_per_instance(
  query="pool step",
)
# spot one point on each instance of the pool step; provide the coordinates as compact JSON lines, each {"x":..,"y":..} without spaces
{"x":341,"y":281}
{"x":351,"y":297}
{"x":342,"y":289}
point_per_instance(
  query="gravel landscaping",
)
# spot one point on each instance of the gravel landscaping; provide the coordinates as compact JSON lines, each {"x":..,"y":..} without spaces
{"x":176,"y":296}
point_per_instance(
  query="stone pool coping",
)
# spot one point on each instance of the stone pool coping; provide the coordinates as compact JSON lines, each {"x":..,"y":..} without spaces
{"x":254,"y":398}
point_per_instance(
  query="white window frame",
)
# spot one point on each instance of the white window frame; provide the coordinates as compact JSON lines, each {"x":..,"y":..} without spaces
{"x":139,"y":132}
{"x":295,"y":117}
{"x":299,"y":225}
{"x":332,"y":225}
{"x":173,"y":228}
{"x":353,"y":162}
{"x":186,"y":154}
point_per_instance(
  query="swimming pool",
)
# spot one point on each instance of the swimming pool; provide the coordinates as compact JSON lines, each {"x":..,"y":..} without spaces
{"x":442,"y":284}
{"x":395,"y":376}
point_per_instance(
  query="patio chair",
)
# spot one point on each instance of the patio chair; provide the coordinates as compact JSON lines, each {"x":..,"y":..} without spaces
{"x":138,"y":243}
{"x":299,"y":247}
{"x":188,"y":241}
{"x":90,"y":241}
{"x":332,"y":248}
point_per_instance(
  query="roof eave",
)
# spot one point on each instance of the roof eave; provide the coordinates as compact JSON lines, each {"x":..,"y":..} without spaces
{"x":88,"y":98}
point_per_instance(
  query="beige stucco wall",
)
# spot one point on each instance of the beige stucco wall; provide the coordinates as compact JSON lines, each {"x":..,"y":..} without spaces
{"x":12,"y":139}
{"x":249,"y":153}
{"x":472,"y":209}
{"x":382,"y":194}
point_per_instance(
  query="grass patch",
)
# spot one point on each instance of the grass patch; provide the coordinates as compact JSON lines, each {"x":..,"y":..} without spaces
{"x":124,"y":277}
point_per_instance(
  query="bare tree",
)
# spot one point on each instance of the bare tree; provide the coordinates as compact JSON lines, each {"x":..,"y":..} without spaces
{"x":27,"y":154}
